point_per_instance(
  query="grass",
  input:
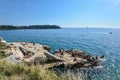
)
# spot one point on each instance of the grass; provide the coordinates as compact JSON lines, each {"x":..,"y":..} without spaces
{"x":24,"y":72}
{"x":3,"y":47}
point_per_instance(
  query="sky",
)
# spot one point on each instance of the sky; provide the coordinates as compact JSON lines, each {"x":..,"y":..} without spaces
{"x":65,"y":13}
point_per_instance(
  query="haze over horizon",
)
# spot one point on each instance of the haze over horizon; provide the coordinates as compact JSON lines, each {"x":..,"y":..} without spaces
{"x":65,"y":13}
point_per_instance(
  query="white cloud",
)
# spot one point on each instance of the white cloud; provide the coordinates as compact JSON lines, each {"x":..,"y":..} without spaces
{"x":113,"y":2}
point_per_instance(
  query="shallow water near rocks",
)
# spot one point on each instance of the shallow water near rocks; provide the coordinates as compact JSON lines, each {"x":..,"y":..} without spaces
{"x":91,"y":40}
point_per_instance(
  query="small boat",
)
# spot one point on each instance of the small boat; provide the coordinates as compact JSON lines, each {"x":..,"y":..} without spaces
{"x":87,"y":27}
{"x":110,"y":32}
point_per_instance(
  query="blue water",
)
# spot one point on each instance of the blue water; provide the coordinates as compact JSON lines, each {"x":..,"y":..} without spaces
{"x":94,"y":41}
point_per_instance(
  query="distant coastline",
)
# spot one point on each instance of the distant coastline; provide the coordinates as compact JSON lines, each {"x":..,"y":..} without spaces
{"x":12,"y":27}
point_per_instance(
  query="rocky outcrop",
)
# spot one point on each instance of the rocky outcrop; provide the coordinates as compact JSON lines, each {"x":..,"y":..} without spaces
{"x":33,"y":54}
{"x":46,"y":48}
{"x":27,"y":52}
{"x":77,"y":59}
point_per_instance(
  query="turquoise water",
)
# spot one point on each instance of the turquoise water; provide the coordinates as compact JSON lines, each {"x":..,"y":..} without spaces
{"x":94,"y":41}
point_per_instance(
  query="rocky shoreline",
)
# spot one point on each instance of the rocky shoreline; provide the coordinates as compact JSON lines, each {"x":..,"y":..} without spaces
{"x":34,"y":53}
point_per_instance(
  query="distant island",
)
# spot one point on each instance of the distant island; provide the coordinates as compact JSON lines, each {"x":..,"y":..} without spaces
{"x":11,"y":27}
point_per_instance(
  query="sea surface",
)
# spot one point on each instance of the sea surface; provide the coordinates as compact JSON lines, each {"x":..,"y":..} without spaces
{"x":94,"y":41}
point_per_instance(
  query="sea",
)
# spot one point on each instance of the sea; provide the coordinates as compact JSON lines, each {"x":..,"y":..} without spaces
{"x":94,"y":41}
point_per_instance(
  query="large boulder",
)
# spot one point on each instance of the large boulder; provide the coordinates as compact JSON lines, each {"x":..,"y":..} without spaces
{"x":46,"y":48}
{"x":13,"y":59}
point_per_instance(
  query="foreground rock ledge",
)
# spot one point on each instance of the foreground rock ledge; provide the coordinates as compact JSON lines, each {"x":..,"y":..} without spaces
{"x":34,"y":53}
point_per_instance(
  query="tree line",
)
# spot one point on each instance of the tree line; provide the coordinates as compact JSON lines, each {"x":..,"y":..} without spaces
{"x":11,"y":27}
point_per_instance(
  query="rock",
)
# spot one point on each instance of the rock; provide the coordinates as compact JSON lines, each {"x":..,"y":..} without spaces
{"x":96,"y":57}
{"x":13,"y":59}
{"x":89,"y":58}
{"x":77,"y":53}
{"x":55,"y":52}
{"x":34,"y":54}
{"x":95,"y":63}
{"x":2,"y":40}
{"x":102,"y":56}
{"x":46,"y":48}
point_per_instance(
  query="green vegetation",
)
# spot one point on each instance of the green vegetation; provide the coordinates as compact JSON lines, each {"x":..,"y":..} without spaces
{"x":11,"y":27}
{"x":3,"y":47}
{"x":24,"y":72}
{"x":3,"y":55}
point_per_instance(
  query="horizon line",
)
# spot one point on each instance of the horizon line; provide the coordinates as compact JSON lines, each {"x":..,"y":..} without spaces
{"x":116,"y":27}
